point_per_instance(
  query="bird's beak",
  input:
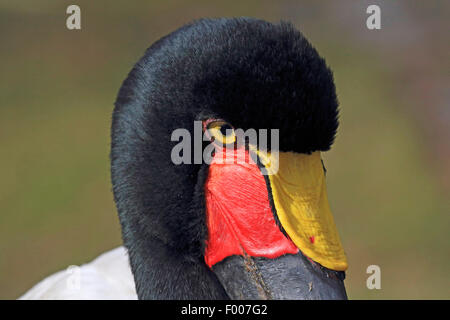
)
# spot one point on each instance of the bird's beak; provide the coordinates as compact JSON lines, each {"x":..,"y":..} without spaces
{"x":284,"y":248}
{"x":299,"y":194}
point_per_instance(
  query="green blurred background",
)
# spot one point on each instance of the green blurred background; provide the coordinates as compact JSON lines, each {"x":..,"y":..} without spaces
{"x":388,"y":173}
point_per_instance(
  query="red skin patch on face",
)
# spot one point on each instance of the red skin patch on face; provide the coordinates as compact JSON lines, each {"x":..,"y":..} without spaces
{"x":239,"y":216}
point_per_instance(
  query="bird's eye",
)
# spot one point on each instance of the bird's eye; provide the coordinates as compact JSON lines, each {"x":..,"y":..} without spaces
{"x":221,"y":131}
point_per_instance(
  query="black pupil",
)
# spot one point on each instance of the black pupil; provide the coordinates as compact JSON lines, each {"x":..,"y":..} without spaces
{"x":226,"y":129}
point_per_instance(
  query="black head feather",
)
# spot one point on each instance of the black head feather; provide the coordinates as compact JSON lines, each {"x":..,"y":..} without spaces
{"x":253,"y":74}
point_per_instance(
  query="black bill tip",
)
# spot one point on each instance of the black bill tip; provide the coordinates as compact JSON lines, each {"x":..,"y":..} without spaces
{"x":288,"y":277}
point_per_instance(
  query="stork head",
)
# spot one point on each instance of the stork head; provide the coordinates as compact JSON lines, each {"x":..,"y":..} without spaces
{"x":259,"y":228}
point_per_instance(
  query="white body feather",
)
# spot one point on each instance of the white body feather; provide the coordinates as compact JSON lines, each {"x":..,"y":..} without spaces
{"x":107,"y":277}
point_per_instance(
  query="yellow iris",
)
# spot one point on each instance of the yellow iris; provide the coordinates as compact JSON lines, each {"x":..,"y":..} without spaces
{"x":222,"y":132}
